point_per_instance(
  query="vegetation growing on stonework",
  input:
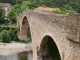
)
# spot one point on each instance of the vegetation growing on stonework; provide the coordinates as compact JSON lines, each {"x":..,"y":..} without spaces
{"x":63,"y":11}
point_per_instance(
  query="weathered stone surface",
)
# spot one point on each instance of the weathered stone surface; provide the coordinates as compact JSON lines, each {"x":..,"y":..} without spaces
{"x":64,"y":29}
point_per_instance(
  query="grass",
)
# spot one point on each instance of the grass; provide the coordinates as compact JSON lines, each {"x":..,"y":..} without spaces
{"x":9,"y":25}
{"x":23,"y":41}
{"x":63,"y":11}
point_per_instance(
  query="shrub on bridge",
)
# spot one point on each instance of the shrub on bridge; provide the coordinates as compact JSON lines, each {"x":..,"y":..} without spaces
{"x":63,"y":11}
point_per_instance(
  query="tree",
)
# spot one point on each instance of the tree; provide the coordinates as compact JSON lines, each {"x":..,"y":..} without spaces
{"x":29,"y":5}
{"x":5,"y":36}
{"x":12,"y":15}
{"x":25,"y":5}
{"x":2,"y":20}
{"x":18,"y":1}
{"x":1,"y":12}
{"x":8,"y":1}
{"x":17,"y":9}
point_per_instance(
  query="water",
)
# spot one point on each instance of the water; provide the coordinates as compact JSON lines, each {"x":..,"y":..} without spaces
{"x":19,"y":56}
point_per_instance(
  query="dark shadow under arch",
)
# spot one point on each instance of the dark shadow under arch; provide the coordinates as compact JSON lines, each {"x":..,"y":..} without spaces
{"x":48,"y":49}
{"x":25,"y":29}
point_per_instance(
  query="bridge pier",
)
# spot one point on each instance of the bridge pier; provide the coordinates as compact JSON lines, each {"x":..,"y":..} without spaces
{"x":24,"y":38}
{"x":24,"y":33}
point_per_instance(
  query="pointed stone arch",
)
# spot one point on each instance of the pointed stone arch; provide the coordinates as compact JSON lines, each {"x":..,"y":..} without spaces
{"x":25,"y":33}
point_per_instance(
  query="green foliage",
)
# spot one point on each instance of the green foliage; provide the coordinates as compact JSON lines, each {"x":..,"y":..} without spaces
{"x":31,"y":4}
{"x":2,"y":20}
{"x":13,"y":35}
{"x":18,"y":2}
{"x":7,"y":1}
{"x":25,"y":4}
{"x":16,"y":9}
{"x":1,"y":12}
{"x":59,"y":12}
{"x":2,"y":16}
{"x":78,"y":10}
{"x":63,"y":11}
{"x":5,"y":36}
{"x":8,"y":34}
{"x":12,"y":15}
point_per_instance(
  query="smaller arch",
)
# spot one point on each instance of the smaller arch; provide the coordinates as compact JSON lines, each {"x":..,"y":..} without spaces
{"x":48,"y":49}
{"x":25,"y":33}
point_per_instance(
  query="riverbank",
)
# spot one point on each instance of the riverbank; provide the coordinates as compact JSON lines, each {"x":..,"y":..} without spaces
{"x":12,"y":48}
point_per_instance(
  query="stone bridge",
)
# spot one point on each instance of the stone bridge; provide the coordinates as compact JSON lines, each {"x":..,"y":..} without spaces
{"x":53,"y":35}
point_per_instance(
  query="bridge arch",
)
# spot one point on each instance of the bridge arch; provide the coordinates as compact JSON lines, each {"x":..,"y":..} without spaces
{"x":25,"y":32}
{"x":48,"y":49}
